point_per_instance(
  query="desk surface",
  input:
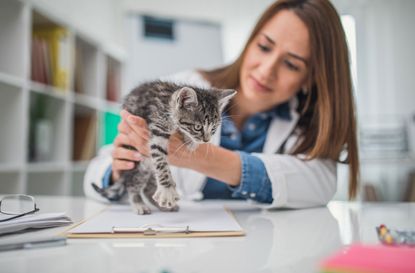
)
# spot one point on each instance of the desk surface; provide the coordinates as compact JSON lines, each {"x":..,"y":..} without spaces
{"x":276,"y":241}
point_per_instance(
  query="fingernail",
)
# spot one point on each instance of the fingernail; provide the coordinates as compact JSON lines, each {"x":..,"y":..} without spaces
{"x":131,"y":120}
{"x":137,"y":155}
{"x":131,"y":165}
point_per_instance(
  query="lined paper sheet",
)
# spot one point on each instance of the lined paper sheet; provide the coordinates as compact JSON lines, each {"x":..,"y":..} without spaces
{"x":199,"y":217}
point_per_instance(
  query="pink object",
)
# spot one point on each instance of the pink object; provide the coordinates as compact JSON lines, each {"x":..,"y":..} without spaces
{"x":371,"y":259}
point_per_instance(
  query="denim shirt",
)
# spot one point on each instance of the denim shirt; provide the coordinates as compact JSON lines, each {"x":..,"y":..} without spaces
{"x":255,"y":183}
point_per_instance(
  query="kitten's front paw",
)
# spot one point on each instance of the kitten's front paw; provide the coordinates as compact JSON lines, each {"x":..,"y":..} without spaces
{"x":166,"y":197}
{"x":141,"y":209}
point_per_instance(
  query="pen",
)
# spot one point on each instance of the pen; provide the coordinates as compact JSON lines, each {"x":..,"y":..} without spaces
{"x":45,"y":242}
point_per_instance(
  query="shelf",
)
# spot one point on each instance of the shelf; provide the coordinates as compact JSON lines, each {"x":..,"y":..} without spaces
{"x":113,"y":80}
{"x":86,"y":68}
{"x":80,"y":166}
{"x":53,"y":89}
{"x":11,"y":80}
{"x":46,"y":183}
{"x":48,"y":134}
{"x":12,"y":33}
{"x":88,"y":101}
{"x":85,"y":133}
{"x":11,"y":124}
{"x":10,"y":167}
{"x":11,"y":182}
{"x":46,"y":167}
{"x":48,"y":90}
{"x":391,"y":159}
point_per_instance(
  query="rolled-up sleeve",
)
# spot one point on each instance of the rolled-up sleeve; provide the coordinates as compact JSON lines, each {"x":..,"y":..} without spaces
{"x":255,"y":183}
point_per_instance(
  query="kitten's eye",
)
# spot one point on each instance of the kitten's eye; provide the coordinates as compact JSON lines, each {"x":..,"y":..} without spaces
{"x":197,"y":127}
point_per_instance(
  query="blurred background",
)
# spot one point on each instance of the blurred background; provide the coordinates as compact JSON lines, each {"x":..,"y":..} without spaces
{"x":65,"y":65}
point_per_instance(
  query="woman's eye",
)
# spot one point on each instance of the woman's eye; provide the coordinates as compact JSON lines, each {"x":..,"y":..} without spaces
{"x":291,"y":66}
{"x":198,"y":127}
{"x":264,"y":48}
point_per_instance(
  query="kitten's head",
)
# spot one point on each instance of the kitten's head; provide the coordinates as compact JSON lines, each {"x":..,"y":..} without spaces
{"x":197,"y":112}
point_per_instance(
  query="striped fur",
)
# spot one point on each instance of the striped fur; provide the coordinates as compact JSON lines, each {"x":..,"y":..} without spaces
{"x":167,"y":108}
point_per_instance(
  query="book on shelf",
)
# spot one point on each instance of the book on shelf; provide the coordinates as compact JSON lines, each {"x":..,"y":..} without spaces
{"x":370,"y":193}
{"x":50,"y":56}
{"x":78,"y":75}
{"x":113,"y":80}
{"x":84,"y":144}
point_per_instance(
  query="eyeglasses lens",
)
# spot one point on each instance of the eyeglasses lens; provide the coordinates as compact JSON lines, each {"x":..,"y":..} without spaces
{"x":17,"y":204}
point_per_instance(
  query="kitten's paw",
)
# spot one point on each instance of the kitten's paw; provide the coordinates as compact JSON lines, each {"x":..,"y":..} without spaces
{"x":141,"y":209}
{"x":166,"y":197}
{"x":172,"y":209}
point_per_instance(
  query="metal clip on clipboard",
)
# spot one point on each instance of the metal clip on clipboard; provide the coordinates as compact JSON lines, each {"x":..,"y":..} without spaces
{"x":151,"y":229}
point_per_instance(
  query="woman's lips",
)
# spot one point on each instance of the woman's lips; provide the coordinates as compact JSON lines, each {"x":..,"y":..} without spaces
{"x":259,"y":86}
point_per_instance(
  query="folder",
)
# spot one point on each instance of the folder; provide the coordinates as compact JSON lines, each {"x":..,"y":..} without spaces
{"x":192,"y":220}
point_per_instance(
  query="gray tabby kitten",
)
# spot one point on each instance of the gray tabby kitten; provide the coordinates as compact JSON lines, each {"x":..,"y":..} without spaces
{"x":167,"y":108}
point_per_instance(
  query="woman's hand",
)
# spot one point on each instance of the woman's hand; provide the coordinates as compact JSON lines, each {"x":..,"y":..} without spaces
{"x":132,"y":131}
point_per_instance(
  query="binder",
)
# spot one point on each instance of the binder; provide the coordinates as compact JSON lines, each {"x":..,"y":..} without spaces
{"x":192,"y":220}
{"x":56,"y":49}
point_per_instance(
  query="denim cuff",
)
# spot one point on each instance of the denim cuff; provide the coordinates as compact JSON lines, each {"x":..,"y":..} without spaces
{"x":255,"y":183}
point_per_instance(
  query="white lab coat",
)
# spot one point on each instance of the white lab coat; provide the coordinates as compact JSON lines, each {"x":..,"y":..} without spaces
{"x":296,"y":183}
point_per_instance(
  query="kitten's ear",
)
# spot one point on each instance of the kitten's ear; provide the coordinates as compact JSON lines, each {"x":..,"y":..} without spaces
{"x":186,"y":98}
{"x":224,"y":97}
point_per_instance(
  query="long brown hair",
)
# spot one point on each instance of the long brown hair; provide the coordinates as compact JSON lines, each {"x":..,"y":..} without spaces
{"x":327,"y":121}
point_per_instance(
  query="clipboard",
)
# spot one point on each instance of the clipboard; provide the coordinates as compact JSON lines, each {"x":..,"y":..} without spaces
{"x":192,"y":220}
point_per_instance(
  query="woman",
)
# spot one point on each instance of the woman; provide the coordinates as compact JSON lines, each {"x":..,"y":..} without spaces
{"x":292,"y":119}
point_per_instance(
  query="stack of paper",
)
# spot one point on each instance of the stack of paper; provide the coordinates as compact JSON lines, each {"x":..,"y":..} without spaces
{"x":42,"y":220}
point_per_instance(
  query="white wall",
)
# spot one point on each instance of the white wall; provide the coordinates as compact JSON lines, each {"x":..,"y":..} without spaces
{"x":196,"y":44}
{"x":237,"y":17}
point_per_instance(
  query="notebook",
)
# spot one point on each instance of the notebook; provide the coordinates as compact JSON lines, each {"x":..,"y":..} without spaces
{"x":192,"y":220}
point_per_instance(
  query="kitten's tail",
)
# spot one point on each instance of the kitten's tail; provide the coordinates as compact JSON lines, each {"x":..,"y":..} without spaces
{"x":112,"y":193}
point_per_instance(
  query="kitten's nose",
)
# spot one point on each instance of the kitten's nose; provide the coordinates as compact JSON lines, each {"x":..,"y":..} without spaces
{"x":206,"y":139}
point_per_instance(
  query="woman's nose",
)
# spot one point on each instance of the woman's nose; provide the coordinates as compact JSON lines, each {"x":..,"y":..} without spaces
{"x":268,"y":69}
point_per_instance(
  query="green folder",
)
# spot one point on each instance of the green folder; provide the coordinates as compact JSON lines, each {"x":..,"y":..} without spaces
{"x":109,"y":129}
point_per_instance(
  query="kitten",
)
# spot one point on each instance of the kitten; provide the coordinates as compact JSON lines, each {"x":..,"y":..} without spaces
{"x":167,"y":107}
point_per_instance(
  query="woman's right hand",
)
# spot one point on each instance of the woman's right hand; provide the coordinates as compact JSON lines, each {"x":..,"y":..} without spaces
{"x":132,"y":131}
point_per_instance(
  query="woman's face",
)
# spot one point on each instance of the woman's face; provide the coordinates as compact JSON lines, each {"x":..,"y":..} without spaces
{"x":275,"y":65}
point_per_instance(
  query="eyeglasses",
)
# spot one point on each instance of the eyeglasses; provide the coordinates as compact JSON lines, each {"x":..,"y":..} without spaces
{"x":17,"y":205}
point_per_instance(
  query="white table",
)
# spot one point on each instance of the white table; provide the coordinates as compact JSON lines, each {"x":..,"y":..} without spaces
{"x":275,"y":241}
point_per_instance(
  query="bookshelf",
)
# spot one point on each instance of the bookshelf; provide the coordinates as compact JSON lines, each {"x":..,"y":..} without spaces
{"x":53,"y":108}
